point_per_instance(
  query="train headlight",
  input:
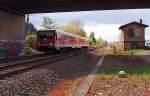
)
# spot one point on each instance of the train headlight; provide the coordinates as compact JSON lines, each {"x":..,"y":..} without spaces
{"x":51,"y":43}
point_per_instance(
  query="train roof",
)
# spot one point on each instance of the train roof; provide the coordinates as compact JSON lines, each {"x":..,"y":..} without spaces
{"x":42,"y":30}
{"x":59,"y":31}
{"x":66,"y":33}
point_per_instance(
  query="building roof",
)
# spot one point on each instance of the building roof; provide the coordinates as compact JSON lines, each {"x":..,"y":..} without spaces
{"x":45,"y":6}
{"x":134,"y":22}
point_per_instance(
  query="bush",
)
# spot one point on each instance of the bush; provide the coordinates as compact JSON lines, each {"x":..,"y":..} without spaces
{"x":30,"y":44}
{"x":30,"y":41}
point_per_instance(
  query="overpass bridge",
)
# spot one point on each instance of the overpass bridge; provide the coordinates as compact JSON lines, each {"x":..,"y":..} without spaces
{"x":45,"y":6}
{"x":12,"y":12}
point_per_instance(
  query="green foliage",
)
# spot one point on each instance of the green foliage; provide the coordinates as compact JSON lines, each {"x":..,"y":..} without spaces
{"x":97,"y":42}
{"x":31,"y":41}
{"x":75,"y":27}
{"x":132,"y":52}
{"x":114,"y":69}
{"x":139,"y":69}
{"x":90,"y":41}
{"x":100,"y":42}
{"x":92,"y":36}
{"x":48,"y":23}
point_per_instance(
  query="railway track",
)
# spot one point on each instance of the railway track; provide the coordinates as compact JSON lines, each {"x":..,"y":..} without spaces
{"x":11,"y":69}
{"x":20,"y":58}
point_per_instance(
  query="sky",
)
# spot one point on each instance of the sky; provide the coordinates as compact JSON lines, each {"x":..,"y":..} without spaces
{"x":104,"y":23}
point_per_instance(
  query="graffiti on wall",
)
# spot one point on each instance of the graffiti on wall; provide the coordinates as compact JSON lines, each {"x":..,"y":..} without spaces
{"x":14,"y":47}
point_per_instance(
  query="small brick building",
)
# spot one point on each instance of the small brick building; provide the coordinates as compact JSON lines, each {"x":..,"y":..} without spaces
{"x":133,"y":35}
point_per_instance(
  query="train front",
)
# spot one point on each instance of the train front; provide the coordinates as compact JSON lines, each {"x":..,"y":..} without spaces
{"x":46,"y":40}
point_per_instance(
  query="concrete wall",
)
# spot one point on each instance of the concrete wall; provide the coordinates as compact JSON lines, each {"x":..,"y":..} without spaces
{"x":12,"y":26}
{"x":12,"y":29}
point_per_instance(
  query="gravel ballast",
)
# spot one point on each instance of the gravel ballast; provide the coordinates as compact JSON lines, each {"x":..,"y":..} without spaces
{"x":33,"y":83}
{"x":41,"y":81}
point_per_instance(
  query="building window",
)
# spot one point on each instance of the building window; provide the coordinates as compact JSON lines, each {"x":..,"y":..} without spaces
{"x":134,"y":32}
{"x":131,"y":32}
{"x":137,"y":32}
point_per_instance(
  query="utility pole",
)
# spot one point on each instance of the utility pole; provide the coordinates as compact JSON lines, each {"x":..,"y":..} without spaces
{"x":27,"y":23}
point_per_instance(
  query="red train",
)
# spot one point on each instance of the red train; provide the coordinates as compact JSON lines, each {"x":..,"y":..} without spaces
{"x":51,"y":40}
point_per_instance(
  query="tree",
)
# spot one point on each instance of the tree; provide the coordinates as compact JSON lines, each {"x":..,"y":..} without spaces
{"x":97,"y":42}
{"x":31,"y":29}
{"x":92,"y":36}
{"x":48,"y":23}
{"x":75,"y":27}
{"x":100,"y":42}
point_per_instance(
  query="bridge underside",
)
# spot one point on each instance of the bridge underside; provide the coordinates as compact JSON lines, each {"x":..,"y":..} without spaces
{"x":47,"y":6}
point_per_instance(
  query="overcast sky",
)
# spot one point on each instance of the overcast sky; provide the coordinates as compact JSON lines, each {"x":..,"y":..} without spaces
{"x":105,"y":24}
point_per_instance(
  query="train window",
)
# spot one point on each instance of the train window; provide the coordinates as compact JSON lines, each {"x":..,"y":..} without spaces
{"x":61,"y":37}
{"x":71,"y":38}
{"x":65,"y":37}
{"x":50,"y":33}
{"x":45,"y":37}
{"x":58,"y":37}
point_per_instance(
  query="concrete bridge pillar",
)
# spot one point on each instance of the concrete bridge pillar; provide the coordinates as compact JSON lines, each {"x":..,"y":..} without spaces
{"x":12,"y":29}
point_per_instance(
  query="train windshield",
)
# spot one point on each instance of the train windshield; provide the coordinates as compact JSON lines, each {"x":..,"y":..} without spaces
{"x":46,"y":35}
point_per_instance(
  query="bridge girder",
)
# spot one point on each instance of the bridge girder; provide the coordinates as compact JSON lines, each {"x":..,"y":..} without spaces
{"x":48,"y":6}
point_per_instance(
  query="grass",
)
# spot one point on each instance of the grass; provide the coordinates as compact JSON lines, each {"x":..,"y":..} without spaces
{"x":107,"y":79}
{"x":139,"y":70}
{"x":131,"y":52}
{"x":136,"y":74}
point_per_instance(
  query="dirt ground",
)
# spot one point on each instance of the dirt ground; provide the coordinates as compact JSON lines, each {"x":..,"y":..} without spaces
{"x":73,"y":71}
{"x":113,"y":85}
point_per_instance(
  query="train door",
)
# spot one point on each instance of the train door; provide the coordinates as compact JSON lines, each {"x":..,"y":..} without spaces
{"x":46,"y":39}
{"x":57,"y":41}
